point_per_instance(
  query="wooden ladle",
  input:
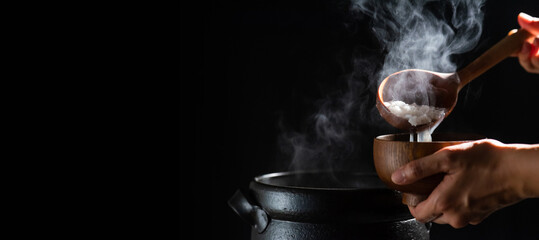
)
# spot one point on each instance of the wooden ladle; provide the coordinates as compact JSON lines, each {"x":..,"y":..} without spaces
{"x":440,"y":89}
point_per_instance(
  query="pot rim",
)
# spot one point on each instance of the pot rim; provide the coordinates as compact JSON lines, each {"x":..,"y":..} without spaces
{"x":370,"y":202}
{"x":260,"y":180}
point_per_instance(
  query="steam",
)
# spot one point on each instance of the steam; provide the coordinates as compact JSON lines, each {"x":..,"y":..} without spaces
{"x":422,"y":34}
{"x":331,"y":135}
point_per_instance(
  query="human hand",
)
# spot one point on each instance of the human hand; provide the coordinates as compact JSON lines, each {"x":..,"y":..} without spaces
{"x":528,"y":56}
{"x":480,"y":178}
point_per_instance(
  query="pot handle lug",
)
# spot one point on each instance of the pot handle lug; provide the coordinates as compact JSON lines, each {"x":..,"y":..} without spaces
{"x":252,"y":214}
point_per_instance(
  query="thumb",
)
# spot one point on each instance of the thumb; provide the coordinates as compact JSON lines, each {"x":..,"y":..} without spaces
{"x":531,"y":24}
{"x":420,"y":168}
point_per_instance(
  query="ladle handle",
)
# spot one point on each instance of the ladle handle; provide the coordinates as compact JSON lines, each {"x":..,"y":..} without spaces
{"x":493,"y":56}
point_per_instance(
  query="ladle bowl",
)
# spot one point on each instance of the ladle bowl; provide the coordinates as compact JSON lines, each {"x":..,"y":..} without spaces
{"x":440,"y":90}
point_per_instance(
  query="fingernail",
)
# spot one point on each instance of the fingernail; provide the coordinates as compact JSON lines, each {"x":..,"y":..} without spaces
{"x":398,"y":177}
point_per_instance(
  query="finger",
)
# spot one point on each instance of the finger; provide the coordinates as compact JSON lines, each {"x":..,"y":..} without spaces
{"x":413,"y":199}
{"x":453,"y":221}
{"x":523,"y":57}
{"x":432,"y":218}
{"x":425,"y":217}
{"x":534,"y":56}
{"x":456,"y":220}
{"x":420,"y":168}
{"x":534,"y":48}
{"x":441,"y":220}
{"x":478,"y":219}
{"x":534,"y":62}
{"x":426,"y":211}
{"x":529,"y":23}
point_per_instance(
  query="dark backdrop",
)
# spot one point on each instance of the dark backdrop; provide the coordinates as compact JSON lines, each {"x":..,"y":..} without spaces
{"x":267,"y":66}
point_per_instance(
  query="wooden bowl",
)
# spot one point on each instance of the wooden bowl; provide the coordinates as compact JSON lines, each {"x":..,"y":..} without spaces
{"x":395,"y":150}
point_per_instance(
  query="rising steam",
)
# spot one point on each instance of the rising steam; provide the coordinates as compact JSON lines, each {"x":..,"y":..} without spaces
{"x":422,"y":34}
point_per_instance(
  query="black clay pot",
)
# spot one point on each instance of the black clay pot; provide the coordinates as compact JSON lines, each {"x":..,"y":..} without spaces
{"x":325,"y":205}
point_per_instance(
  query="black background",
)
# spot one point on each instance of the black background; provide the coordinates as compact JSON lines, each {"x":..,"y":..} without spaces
{"x":268,"y":64}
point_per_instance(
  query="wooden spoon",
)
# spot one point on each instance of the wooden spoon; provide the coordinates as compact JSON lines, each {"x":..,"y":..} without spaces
{"x":440,"y":89}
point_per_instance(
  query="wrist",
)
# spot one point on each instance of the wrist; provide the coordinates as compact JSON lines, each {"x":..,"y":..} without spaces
{"x":523,"y":159}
